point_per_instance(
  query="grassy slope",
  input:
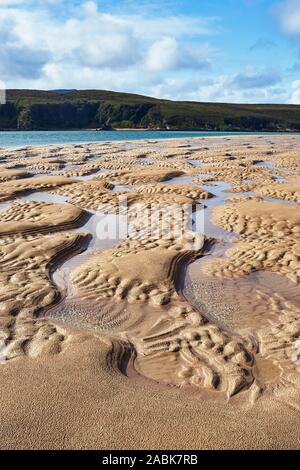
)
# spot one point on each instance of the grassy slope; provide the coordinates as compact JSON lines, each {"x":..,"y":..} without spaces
{"x":175,"y":114}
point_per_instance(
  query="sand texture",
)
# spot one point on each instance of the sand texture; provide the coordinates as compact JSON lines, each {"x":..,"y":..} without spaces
{"x":170,"y":335}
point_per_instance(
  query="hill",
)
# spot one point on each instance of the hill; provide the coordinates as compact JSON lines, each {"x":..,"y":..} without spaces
{"x":89,"y":109}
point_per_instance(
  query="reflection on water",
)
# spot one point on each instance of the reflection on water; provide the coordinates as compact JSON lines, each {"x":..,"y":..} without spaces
{"x":210,"y":229}
{"x":241,"y":304}
{"x":42,"y":196}
{"x":265,"y":164}
{"x":5,"y":205}
{"x":280,"y":179}
{"x":195,"y":163}
{"x":181,"y":180}
{"x":121,"y":188}
{"x":285,"y":201}
{"x":95,"y":226}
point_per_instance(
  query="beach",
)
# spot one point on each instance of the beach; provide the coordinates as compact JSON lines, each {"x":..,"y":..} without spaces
{"x":149,"y":294}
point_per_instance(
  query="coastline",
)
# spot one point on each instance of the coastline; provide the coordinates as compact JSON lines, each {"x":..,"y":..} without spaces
{"x":187,"y":135}
{"x":146,"y":129}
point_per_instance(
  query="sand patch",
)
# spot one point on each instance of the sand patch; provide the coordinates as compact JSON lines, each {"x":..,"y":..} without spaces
{"x":287,"y":191}
{"x":188,"y":191}
{"x":31,"y":217}
{"x":270,"y":239}
{"x":8,"y":175}
{"x":9,"y":190}
{"x":26,"y":260}
{"x":143,"y":175}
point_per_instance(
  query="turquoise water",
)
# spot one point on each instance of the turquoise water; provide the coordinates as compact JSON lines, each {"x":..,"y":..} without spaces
{"x":24,"y":138}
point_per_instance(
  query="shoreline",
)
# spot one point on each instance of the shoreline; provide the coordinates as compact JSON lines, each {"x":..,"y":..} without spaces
{"x":133,"y":129}
{"x":251,"y":135}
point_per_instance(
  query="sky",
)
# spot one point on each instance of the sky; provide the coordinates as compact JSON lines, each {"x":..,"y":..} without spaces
{"x":241,"y":51}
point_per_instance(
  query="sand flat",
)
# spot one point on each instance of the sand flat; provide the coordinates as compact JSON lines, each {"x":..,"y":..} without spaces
{"x":187,"y":341}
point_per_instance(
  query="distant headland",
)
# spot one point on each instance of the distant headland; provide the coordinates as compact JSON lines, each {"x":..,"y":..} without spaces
{"x":108,"y":110}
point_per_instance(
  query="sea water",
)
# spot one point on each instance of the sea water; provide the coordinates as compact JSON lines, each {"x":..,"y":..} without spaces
{"x":28,"y":138}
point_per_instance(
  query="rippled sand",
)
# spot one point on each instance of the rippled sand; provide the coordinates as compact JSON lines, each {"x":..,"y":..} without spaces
{"x":143,"y":341}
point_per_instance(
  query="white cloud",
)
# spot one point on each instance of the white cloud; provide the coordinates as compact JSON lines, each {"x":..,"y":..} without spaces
{"x":90,"y":39}
{"x":168,"y":54}
{"x":289,"y":16}
{"x":295,"y":96}
{"x":163,"y":54}
{"x":218,"y":89}
{"x":173,"y":25}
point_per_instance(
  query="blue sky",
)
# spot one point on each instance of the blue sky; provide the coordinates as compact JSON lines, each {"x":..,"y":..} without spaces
{"x":204,"y":50}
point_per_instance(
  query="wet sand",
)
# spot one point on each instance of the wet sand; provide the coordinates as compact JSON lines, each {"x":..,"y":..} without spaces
{"x":139,"y":340}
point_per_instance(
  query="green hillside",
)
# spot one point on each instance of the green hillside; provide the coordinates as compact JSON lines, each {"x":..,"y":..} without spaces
{"x":84,"y":109}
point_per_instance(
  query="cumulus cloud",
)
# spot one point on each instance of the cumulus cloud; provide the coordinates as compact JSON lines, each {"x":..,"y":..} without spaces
{"x":217,"y":89}
{"x":89,"y":39}
{"x":21,"y":62}
{"x":52,"y":44}
{"x":168,"y":54}
{"x":288,"y":16}
{"x":16,"y":58}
